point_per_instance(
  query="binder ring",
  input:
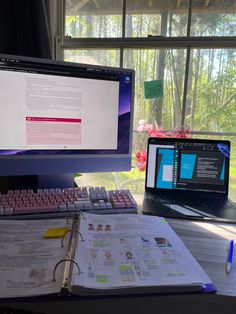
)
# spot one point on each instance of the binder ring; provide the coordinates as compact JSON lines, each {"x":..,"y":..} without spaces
{"x":61,"y":261}
{"x":70,"y":230}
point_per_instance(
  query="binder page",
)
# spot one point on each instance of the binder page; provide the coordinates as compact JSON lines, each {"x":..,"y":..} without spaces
{"x":27,"y":258}
{"x":133,"y":251}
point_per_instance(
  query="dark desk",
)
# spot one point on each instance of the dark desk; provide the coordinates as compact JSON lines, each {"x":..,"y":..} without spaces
{"x":208,"y":243}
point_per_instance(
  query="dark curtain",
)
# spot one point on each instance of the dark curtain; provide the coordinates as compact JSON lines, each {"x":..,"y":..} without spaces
{"x":25,"y":28}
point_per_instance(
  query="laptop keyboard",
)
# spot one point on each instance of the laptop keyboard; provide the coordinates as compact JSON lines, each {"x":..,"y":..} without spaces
{"x":200,"y":202}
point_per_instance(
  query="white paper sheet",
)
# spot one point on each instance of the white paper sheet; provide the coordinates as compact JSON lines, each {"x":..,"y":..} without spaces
{"x":27,"y":259}
{"x":133,"y":251}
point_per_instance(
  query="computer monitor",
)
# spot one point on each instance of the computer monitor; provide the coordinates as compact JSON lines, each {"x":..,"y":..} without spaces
{"x":60,"y":118}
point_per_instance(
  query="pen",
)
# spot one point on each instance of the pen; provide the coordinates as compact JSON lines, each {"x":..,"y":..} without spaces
{"x":230,"y":256}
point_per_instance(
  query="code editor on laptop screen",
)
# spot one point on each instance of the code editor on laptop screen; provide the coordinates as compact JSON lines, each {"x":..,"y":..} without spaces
{"x":188,"y":164}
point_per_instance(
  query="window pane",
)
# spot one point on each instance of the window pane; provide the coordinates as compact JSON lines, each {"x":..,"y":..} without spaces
{"x":165,"y":18}
{"x":94,"y":56}
{"x":93,"y":18}
{"x":168,"y":66}
{"x":213,"y":18}
{"x":211,"y":97}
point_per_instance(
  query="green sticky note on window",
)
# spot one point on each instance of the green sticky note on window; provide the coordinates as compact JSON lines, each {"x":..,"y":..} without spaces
{"x":153,"y":89}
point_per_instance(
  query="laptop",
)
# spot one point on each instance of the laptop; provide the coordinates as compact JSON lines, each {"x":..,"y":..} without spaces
{"x":188,"y":178}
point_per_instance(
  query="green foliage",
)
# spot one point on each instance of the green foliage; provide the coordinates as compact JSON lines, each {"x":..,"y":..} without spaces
{"x":211,"y":100}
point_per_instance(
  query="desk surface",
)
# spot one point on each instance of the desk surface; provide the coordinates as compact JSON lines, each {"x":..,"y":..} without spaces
{"x":208,"y":243}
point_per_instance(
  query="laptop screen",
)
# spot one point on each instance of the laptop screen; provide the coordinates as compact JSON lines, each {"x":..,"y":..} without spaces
{"x":188,"y":164}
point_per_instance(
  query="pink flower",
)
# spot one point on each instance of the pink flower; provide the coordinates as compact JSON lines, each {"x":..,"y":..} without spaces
{"x":141,"y":156}
{"x":148,"y":127}
{"x":141,"y":166}
{"x":157,"y":133}
{"x":143,"y":126}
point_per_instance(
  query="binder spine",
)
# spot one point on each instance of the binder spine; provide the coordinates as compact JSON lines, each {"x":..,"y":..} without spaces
{"x":76,"y":215}
{"x":69,"y":260}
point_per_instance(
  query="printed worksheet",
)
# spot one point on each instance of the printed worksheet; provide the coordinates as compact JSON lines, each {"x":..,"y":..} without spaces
{"x":132,"y":251}
{"x":27,"y":257}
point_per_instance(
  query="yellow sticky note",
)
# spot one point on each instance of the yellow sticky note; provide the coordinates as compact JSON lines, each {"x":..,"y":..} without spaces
{"x":55,"y":232}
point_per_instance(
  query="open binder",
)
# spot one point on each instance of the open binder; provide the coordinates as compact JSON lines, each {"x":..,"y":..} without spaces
{"x":97,"y":255}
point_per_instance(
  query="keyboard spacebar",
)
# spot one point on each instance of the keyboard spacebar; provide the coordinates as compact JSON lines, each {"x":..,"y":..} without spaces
{"x":36,"y":209}
{"x":184,"y":211}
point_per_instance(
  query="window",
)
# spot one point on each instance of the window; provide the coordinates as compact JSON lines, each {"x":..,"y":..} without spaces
{"x":210,"y":105}
{"x":188,"y":45}
{"x":93,"y":19}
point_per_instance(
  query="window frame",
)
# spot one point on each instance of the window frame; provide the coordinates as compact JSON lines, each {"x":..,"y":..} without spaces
{"x":62,"y":42}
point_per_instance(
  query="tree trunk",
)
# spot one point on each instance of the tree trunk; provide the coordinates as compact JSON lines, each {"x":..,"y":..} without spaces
{"x":196,"y":77}
{"x":178,"y":82}
{"x":158,"y":103}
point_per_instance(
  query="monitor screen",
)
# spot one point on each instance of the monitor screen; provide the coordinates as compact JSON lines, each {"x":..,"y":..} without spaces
{"x":62,"y":117}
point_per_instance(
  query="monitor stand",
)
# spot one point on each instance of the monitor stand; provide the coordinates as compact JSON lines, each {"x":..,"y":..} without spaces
{"x":36,"y":182}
